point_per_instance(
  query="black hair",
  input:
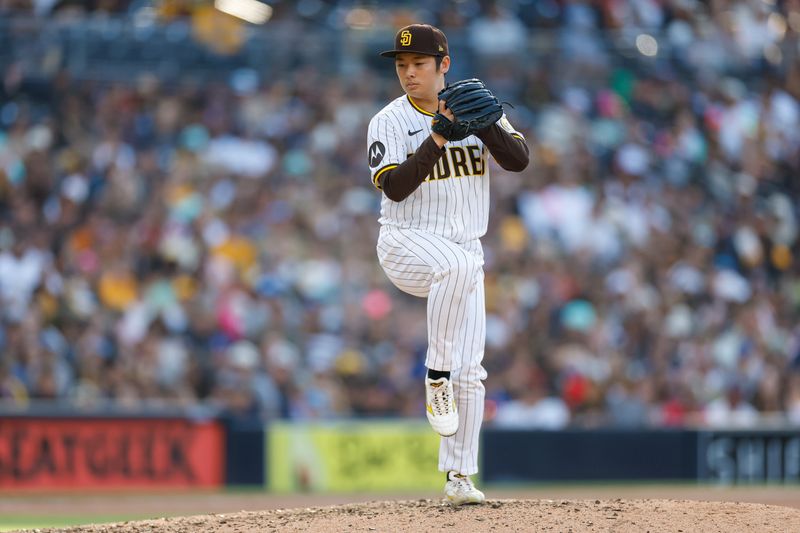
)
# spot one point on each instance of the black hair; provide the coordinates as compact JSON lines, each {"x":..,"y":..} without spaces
{"x":438,"y":62}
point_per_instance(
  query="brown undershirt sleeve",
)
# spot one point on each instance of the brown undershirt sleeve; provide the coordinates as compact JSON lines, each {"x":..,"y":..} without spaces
{"x":399,"y":182}
{"x":509,"y":150}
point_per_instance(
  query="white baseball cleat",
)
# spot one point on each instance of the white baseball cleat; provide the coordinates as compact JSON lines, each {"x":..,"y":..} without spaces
{"x":459,"y":490}
{"x":440,"y":406}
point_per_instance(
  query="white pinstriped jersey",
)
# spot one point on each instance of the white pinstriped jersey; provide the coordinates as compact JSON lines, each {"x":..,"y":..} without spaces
{"x":453,"y":201}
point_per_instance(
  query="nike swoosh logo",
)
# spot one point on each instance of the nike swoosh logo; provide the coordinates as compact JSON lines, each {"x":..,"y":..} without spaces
{"x":410,"y":133}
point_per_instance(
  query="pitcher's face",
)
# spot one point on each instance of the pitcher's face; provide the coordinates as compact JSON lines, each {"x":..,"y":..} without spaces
{"x":418,"y":74}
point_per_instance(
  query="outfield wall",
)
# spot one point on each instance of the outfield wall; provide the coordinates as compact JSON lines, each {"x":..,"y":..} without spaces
{"x":723,"y":457}
{"x":145,"y":452}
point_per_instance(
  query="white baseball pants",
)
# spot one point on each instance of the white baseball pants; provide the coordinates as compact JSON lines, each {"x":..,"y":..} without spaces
{"x":450,"y":276}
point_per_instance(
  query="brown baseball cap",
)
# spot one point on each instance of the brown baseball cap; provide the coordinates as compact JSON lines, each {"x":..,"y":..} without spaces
{"x":419,"y":39}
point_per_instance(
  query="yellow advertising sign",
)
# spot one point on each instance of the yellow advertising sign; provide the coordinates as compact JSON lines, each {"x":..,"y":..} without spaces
{"x":352,"y":456}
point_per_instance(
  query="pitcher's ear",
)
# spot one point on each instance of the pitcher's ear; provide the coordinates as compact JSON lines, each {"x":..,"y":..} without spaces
{"x":445,"y":64}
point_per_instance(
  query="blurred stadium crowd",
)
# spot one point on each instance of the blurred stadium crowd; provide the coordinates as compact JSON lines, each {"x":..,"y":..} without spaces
{"x":169,"y":244}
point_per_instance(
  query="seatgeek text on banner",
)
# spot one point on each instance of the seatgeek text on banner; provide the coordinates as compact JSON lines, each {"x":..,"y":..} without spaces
{"x":40,"y":453}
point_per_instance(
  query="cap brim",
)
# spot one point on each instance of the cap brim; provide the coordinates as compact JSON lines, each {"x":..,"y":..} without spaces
{"x":392,"y":53}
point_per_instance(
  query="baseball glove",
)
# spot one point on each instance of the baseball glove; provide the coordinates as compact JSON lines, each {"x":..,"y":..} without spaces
{"x":473,"y":105}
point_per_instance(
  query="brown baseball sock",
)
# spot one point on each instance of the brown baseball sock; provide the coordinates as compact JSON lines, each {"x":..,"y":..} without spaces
{"x":436,"y":374}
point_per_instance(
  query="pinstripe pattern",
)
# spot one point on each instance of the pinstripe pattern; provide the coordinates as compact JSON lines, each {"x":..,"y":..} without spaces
{"x":450,"y":276}
{"x":446,"y":273}
{"x":460,"y":452}
{"x":429,"y":247}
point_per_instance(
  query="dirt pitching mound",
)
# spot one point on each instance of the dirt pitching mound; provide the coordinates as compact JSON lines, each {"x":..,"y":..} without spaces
{"x":619,"y":516}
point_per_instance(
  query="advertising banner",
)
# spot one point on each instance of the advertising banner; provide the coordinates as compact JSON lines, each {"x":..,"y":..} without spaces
{"x":39,"y":453}
{"x":731,"y":457}
{"x":352,"y":456}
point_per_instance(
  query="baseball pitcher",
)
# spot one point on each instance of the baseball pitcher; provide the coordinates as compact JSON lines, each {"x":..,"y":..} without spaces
{"x":428,"y":152}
